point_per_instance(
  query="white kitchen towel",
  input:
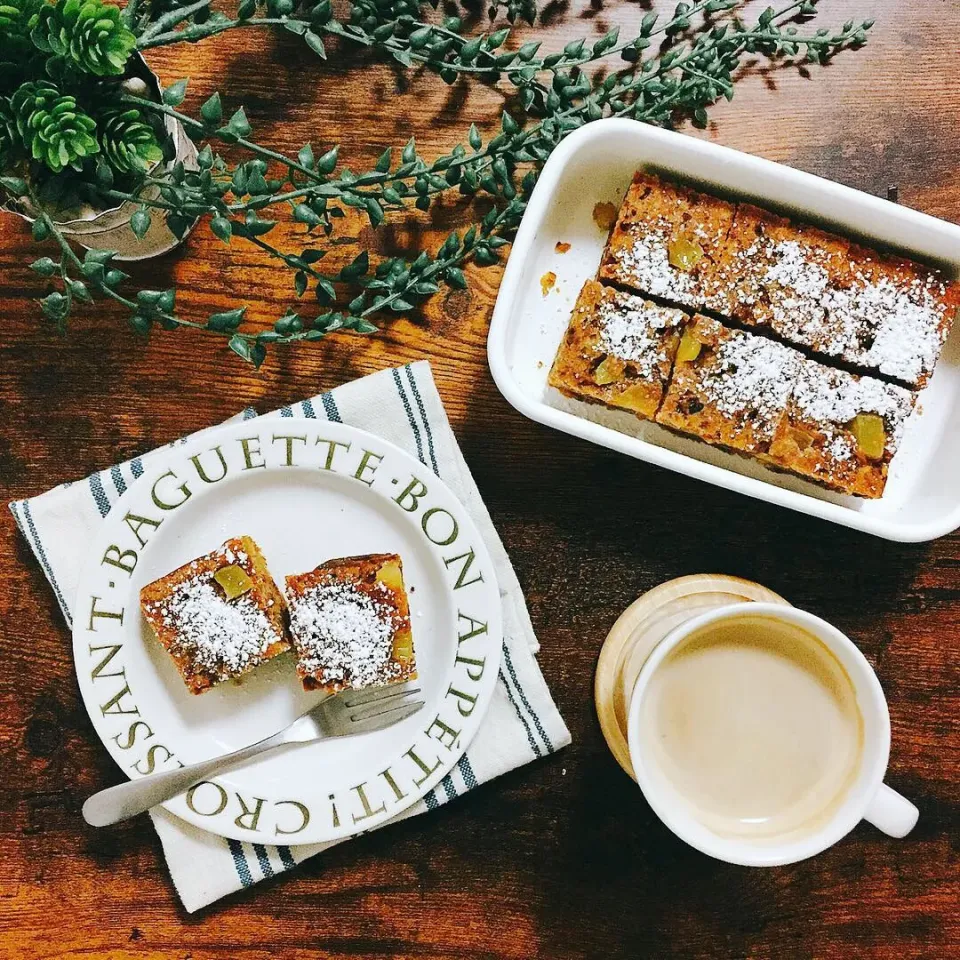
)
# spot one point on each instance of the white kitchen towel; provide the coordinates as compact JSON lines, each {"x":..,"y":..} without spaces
{"x":400,"y":405}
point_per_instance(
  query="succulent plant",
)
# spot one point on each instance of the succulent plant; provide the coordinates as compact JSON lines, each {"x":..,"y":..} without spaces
{"x":52,"y":128}
{"x":89,"y":33}
{"x":127,"y":142}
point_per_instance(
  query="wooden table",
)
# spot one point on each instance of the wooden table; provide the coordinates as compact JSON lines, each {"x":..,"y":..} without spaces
{"x":562,"y":859}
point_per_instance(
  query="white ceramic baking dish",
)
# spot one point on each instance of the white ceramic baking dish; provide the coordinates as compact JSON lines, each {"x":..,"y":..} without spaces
{"x":596,"y":164}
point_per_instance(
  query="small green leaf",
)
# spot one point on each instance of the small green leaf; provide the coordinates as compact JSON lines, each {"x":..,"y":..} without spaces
{"x":227,"y":321}
{"x":212,"y":111}
{"x":305,"y":156}
{"x":140,"y":223}
{"x":40,"y":230}
{"x":374,"y":212}
{"x":141,"y":324}
{"x":222,"y":228}
{"x":54,"y":306}
{"x":474,"y":137}
{"x":456,"y":278}
{"x":303,"y":214}
{"x":328,"y":162}
{"x":365,"y":326}
{"x":241,"y":347}
{"x":315,"y":44}
{"x":174,"y":95}
{"x":79,"y":290}
{"x":300,"y":283}
{"x":383,"y":162}
{"x":45,"y":267}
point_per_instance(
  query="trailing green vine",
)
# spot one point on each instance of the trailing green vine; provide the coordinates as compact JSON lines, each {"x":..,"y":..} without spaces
{"x":68,"y":118}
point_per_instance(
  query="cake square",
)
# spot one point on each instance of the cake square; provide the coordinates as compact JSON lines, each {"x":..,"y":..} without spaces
{"x":667,"y":242}
{"x":841,"y":430}
{"x":729,"y":387}
{"x":618,"y":350}
{"x":898,"y":312}
{"x":218,"y":616}
{"x":780,"y":273}
{"x":350,"y":624}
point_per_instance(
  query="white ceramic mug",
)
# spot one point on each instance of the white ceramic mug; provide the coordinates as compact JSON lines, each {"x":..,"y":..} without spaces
{"x":867,"y":798}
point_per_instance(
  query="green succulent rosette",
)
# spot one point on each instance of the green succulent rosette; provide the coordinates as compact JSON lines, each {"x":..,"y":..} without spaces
{"x":88,"y":33}
{"x":52,"y":128}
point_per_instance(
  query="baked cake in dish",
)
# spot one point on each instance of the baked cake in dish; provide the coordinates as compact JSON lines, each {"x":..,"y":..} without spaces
{"x":841,"y":430}
{"x":729,"y":387}
{"x":218,"y":616}
{"x":667,"y":243}
{"x":811,"y":355}
{"x":618,"y":350}
{"x":350,"y":624}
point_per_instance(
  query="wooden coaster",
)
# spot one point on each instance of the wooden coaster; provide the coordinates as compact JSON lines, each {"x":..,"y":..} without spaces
{"x":641,"y":627}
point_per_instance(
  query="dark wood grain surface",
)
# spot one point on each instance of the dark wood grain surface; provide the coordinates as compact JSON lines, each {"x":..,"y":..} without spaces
{"x":562,"y":859}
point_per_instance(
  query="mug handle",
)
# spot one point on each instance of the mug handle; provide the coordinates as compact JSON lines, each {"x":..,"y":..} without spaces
{"x":891,"y":812}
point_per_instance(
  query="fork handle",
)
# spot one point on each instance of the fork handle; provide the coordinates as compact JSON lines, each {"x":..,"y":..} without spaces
{"x":126,"y":800}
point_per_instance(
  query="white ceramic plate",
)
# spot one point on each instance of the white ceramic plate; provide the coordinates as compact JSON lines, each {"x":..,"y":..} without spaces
{"x":596,"y":164}
{"x":346,"y":493}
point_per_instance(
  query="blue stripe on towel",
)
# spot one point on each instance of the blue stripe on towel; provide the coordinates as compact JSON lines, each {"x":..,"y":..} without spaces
{"x":423,"y":417}
{"x":448,"y":787}
{"x":263,"y":858}
{"x":99,"y":494}
{"x":431,"y":801}
{"x":136,"y":468}
{"x":526,"y":702}
{"x":286,"y":858}
{"x":330,"y":407}
{"x":534,"y":746}
{"x":286,"y":411}
{"x":409,"y":410}
{"x":29,"y":529}
{"x":118,"y":480}
{"x":308,"y":411}
{"x":466,"y":771}
{"x":240,"y":862}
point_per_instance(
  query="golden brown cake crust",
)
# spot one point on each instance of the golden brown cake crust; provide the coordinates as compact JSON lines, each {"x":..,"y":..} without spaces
{"x":667,"y":242}
{"x":350,"y":624}
{"x":618,"y":350}
{"x":210,"y":638}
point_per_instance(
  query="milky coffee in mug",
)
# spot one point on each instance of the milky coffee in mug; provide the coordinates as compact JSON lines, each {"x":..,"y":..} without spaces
{"x":753,"y":723}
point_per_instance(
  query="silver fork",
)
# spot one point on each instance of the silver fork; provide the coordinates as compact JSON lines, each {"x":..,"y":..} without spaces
{"x":342,"y":715}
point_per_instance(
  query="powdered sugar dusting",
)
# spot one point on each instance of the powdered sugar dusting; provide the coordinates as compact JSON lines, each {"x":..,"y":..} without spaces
{"x":752,"y":375}
{"x":830,"y":399}
{"x":632,"y":330}
{"x":343,"y":635}
{"x":895,"y":328}
{"x":222,"y":637}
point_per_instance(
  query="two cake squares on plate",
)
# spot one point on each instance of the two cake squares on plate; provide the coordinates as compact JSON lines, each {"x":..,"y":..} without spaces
{"x":773,"y":339}
{"x":222,"y":615}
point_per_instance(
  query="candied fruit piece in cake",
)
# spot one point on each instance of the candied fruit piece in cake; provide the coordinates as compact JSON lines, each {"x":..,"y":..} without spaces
{"x":618,"y":350}
{"x":733,"y":389}
{"x":667,"y":242}
{"x":218,"y":616}
{"x":896,"y":314}
{"x":350,"y":624}
{"x":841,"y":430}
